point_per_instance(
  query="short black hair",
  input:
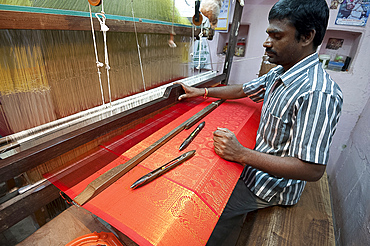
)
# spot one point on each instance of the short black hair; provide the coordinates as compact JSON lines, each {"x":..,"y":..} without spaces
{"x":304,"y":15}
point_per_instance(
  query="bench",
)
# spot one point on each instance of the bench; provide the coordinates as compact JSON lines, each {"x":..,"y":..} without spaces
{"x":309,"y":222}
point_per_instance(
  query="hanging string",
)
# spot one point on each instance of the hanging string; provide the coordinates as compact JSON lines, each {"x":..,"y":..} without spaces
{"x":137,"y":44}
{"x":98,"y":63}
{"x":171,"y":41}
{"x":173,"y":14}
{"x":234,"y":61}
{"x":221,"y":62}
{"x":192,"y":46}
{"x":200,"y":43}
{"x":104,"y":28}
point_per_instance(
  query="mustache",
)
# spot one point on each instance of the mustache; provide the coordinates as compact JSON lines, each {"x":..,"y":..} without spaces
{"x":270,"y":50}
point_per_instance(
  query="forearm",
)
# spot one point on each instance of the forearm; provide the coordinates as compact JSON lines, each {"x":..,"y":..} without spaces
{"x":286,"y":167}
{"x":227,"y":146}
{"x":223,"y":92}
{"x":226,"y":92}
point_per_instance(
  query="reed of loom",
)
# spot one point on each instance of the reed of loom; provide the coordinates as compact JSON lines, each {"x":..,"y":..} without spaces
{"x":46,"y":75}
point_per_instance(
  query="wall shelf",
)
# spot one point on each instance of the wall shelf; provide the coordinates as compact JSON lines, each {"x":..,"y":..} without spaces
{"x":224,"y":39}
{"x":341,"y":42}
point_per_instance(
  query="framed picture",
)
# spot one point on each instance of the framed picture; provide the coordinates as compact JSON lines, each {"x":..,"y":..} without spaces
{"x":223,"y":17}
{"x":353,"y":12}
{"x":334,"y":43}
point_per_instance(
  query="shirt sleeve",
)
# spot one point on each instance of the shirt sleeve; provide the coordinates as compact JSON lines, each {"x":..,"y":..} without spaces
{"x":256,"y":88}
{"x":317,"y":115}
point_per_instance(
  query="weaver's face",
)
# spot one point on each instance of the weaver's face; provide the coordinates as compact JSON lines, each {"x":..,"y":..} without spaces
{"x":281,"y":45}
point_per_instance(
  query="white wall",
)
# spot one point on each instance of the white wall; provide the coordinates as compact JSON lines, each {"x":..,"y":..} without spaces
{"x":350,"y":186}
{"x":348,"y":168}
{"x":355,"y":85}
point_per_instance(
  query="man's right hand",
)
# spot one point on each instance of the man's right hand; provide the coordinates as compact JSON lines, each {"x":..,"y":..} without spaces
{"x":190,"y":91}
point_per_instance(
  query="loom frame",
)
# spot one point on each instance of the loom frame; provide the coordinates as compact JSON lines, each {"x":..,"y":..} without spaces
{"x":15,"y":165}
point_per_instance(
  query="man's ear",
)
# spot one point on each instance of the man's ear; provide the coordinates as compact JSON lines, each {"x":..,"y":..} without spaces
{"x":308,"y":38}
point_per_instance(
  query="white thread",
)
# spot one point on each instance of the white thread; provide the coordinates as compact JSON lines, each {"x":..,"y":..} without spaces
{"x":98,"y":63}
{"x":31,"y":137}
{"x":234,"y":61}
{"x":171,"y":42}
{"x":102,"y":6}
{"x":200,"y":43}
{"x":138,"y":47}
{"x":192,"y":46}
{"x":104,"y":28}
{"x":173,"y":14}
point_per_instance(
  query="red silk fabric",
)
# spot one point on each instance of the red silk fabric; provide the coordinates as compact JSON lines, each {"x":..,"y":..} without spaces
{"x":181,"y":207}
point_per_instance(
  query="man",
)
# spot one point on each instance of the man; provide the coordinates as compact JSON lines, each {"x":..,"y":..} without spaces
{"x":301,"y":108}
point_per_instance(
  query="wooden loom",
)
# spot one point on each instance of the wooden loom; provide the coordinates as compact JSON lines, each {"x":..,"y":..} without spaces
{"x":61,"y":144}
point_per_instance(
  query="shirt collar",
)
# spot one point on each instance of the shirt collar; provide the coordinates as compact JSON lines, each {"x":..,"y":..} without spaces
{"x":298,"y":69}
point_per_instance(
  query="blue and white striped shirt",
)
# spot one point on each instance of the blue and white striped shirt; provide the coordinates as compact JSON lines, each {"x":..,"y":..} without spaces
{"x":298,"y":119}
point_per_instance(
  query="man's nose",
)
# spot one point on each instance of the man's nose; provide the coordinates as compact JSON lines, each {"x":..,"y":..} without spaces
{"x":267,"y":43}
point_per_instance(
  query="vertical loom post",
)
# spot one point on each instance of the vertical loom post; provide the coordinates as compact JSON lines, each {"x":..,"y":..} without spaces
{"x":232,"y":40}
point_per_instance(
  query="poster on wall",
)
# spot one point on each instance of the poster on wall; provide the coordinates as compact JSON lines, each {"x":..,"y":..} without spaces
{"x":223,"y":17}
{"x":353,"y":12}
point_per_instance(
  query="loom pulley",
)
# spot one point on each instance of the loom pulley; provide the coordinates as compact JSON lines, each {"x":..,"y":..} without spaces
{"x":95,"y":2}
{"x":198,"y":17}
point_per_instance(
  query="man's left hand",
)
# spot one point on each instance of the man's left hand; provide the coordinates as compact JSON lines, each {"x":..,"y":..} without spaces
{"x":226,"y":144}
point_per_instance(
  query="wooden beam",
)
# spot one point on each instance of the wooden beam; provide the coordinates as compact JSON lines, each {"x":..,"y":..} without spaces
{"x":112,"y":175}
{"x":21,"y":206}
{"x":43,"y":21}
{"x":232,"y":40}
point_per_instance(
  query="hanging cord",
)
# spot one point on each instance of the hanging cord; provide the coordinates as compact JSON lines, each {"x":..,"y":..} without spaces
{"x":192,"y":46}
{"x":173,"y":13}
{"x":222,"y":62}
{"x":98,"y":63}
{"x":104,"y":28}
{"x":171,"y":42}
{"x":137,"y":44}
{"x":200,"y":43}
